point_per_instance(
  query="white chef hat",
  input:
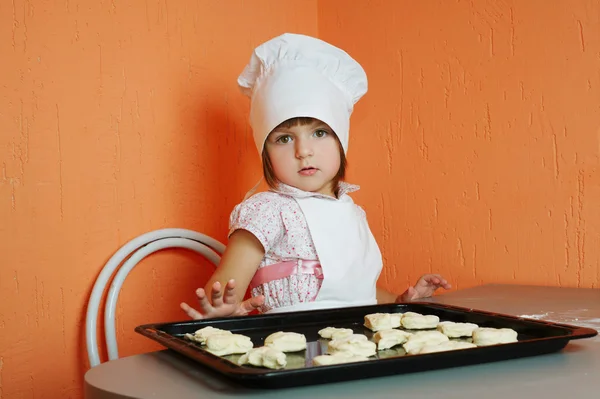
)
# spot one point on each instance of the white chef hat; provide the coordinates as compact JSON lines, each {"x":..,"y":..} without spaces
{"x":299,"y":76}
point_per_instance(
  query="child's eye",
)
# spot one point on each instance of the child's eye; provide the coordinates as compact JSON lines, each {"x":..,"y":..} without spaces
{"x":284,"y":139}
{"x":320,"y":133}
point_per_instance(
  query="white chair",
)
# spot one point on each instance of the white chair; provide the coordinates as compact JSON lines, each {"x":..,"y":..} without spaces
{"x":138,"y":248}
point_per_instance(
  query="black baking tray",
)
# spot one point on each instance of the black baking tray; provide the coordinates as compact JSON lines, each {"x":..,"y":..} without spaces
{"x":535,"y":337}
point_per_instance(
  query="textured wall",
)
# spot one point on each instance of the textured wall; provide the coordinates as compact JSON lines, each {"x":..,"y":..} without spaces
{"x":479,"y":150}
{"x":116,"y":118}
{"x":479,"y":138}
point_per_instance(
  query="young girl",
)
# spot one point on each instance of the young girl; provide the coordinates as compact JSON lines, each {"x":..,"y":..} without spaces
{"x":303,"y":244}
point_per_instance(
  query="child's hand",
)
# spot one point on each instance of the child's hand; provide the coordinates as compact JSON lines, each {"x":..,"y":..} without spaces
{"x":424,"y":288}
{"x":223,"y":305}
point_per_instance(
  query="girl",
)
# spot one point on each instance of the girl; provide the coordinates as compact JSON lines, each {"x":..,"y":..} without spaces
{"x":303,"y":244}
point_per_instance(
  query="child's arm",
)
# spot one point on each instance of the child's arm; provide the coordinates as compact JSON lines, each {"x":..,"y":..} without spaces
{"x":235,"y":271}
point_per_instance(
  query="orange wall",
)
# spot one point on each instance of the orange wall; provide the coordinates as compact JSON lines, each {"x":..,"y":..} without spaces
{"x":479,"y":141}
{"x":116,"y":118}
{"x":479,"y":138}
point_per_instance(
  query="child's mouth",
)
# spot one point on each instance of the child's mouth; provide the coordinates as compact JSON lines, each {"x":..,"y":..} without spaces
{"x":309,"y":171}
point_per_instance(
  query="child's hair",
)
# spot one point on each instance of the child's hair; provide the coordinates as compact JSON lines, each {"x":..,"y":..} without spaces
{"x":301,"y":121}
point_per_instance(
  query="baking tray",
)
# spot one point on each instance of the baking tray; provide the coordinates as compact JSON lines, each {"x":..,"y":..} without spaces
{"x":535,"y":337}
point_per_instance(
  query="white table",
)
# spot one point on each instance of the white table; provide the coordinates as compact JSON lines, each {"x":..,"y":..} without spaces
{"x":573,"y":372}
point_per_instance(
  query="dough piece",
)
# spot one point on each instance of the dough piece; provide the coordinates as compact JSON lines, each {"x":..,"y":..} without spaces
{"x":485,"y":336}
{"x":382,"y":321}
{"x":386,"y":339}
{"x":203,"y":333}
{"x":356,"y":344}
{"x":446,"y":346}
{"x":417,"y":321}
{"x":286,"y":341}
{"x":335,"y":333}
{"x":325,"y":360}
{"x":456,"y":330}
{"x":264,"y":356}
{"x":422,"y":338}
{"x":228,"y":344}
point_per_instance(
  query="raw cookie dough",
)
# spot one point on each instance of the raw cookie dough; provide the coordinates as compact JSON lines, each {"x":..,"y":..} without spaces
{"x":446,"y":346}
{"x":335,"y":333}
{"x":455,"y":330}
{"x":325,"y":360}
{"x":485,"y":336}
{"x":382,"y":321}
{"x":264,"y":356}
{"x":417,"y":321}
{"x":286,"y":341}
{"x":422,"y":338}
{"x":386,"y":339}
{"x":228,"y":344}
{"x":356,"y":344}
{"x":203,"y":333}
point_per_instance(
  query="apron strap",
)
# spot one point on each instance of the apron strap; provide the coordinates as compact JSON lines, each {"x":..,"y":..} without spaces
{"x":281,"y":270}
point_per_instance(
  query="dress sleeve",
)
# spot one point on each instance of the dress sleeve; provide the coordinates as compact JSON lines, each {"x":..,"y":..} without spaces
{"x":261,"y":216}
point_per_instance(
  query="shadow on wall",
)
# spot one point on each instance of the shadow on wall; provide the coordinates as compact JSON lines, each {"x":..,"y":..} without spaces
{"x":213,"y":163}
{"x":228,"y":163}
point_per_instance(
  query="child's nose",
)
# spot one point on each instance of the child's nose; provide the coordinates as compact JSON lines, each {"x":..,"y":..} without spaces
{"x":303,"y":149}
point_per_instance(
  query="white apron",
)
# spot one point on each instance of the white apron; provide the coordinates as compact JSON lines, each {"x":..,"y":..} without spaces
{"x":349,"y":256}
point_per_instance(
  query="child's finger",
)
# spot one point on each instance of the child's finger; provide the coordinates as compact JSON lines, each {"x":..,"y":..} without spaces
{"x":230,"y":297}
{"x":442,"y":283}
{"x":230,"y":283}
{"x":191,"y":312}
{"x":217,"y":295}
{"x":434,"y":280}
{"x":253,"y":303}
{"x":205,"y":305}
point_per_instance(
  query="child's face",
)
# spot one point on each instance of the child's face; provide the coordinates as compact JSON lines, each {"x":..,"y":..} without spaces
{"x":305,"y":156}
